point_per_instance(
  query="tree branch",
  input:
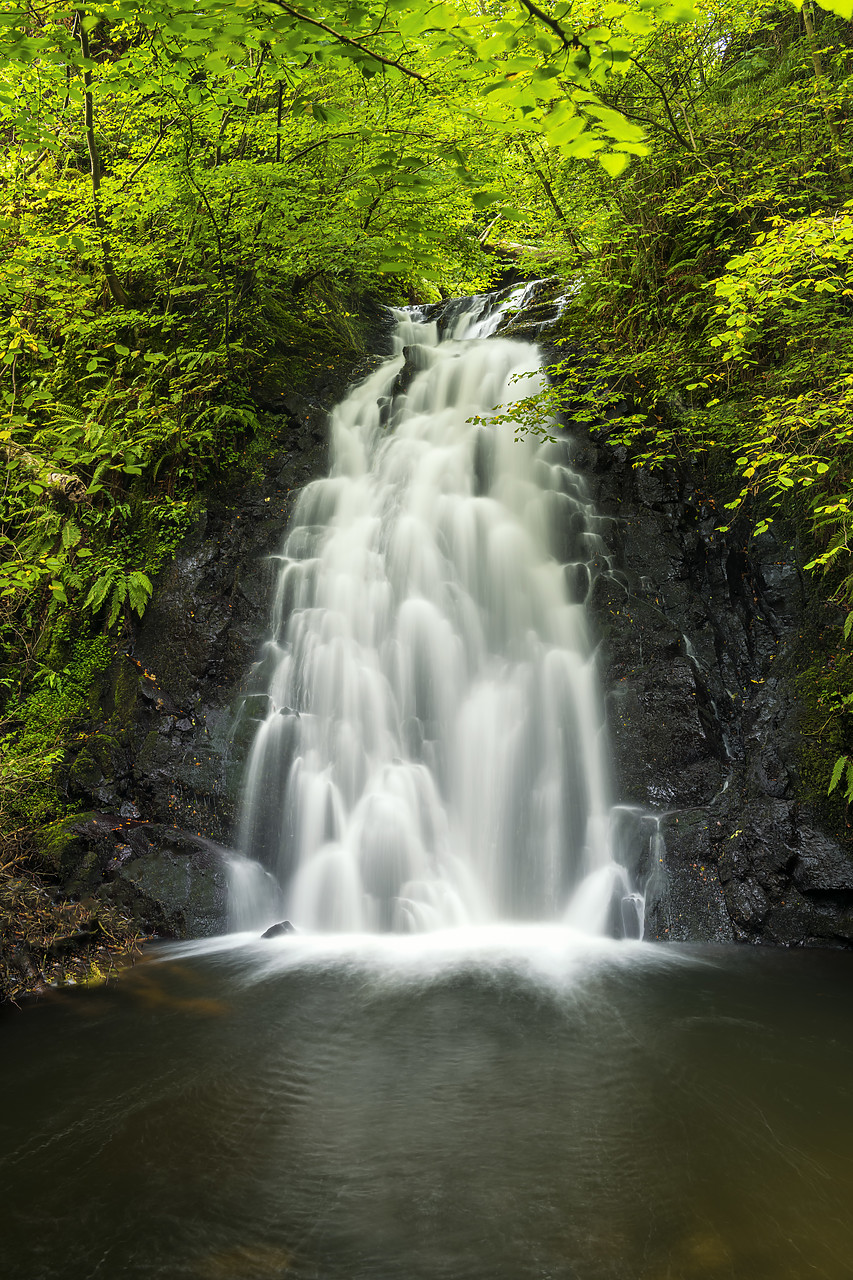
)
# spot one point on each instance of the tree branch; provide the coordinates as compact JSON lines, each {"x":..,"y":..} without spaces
{"x":568,"y":43}
{"x":546,"y":186}
{"x":160,"y":136}
{"x":226,"y":324}
{"x":113,"y":283}
{"x":354,"y":44}
{"x":675,"y":129}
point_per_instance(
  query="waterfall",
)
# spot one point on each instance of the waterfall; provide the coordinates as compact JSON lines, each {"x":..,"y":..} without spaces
{"x":434,"y":752}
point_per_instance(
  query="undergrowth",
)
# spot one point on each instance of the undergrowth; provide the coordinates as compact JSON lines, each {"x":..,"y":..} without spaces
{"x":47,"y":940}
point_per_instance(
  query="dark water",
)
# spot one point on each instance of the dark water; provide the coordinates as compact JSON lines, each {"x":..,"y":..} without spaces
{"x":508,"y":1106}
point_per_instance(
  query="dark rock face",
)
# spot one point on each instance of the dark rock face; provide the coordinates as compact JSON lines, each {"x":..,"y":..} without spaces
{"x":696,"y":635}
{"x":174,"y":882}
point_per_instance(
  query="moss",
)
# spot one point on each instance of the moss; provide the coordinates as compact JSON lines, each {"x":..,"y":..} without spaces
{"x":125,"y":694}
{"x":59,"y":844}
{"x":43,"y":722}
{"x":823,"y":678}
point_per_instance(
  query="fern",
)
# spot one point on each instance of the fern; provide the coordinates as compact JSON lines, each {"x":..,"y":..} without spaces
{"x":116,"y":586}
{"x":843,"y":768}
{"x":117,"y":600}
{"x":70,"y":533}
{"x":139,"y":590}
{"x":67,"y":416}
{"x":99,"y":590}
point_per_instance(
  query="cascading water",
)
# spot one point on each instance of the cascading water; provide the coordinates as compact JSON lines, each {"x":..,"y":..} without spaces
{"x":434,"y":753}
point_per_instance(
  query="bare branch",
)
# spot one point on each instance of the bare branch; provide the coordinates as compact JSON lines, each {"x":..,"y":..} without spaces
{"x":160,"y":136}
{"x":682,"y":141}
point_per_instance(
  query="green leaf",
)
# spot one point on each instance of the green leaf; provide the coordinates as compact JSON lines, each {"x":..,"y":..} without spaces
{"x":639,"y":24}
{"x":844,"y":8}
{"x":836,"y":774}
{"x":139,"y":590}
{"x":70,"y":533}
{"x":618,"y":128}
{"x":848,"y":783}
{"x":100,"y":589}
{"x":614,"y":162}
{"x":595,"y":35}
{"x":482,"y":199}
{"x":566,"y":131}
{"x":584,"y":147}
{"x":118,"y":598}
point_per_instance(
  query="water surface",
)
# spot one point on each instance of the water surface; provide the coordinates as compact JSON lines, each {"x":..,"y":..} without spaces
{"x":512,"y":1103}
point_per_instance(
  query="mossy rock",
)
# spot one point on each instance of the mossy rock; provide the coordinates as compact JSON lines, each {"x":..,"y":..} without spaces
{"x":61,"y":845}
{"x":99,"y":760}
{"x":156,"y":757}
{"x":176,"y":892}
{"x":114,"y":696}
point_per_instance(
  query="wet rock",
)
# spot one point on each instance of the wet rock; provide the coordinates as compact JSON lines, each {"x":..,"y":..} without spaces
{"x":695,"y":633}
{"x":747,"y":904}
{"x":685,"y":898}
{"x":279,"y":930}
{"x":820,"y":866}
{"x":186,"y":893}
{"x":63,"y":844}
{"x":540,"y":309}
{"x":414,"y":360}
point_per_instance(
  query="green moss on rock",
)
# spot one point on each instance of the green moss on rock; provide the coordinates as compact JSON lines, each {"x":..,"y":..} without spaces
{"x":823,"y":678}
{"x":60,"y":845}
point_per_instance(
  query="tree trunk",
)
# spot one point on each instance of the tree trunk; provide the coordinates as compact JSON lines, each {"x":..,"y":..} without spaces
{"x":115,"y":286}
{"x":835,"y":138}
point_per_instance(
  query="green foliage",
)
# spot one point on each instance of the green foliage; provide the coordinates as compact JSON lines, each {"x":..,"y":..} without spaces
{"x":115,"y":586}
{"x":194,"y":191}
{"x":38,"y":721}
{"x":195,"y":194}
{"x":843,"y":767}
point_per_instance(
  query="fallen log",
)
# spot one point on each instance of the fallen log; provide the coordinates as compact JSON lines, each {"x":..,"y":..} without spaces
{"x":58,"y":482}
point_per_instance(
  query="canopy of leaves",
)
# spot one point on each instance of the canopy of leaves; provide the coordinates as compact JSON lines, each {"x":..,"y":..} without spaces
{"x":197,"y":191}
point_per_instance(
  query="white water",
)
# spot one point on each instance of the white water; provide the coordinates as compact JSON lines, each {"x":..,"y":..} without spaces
{"x":434,"y":753}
